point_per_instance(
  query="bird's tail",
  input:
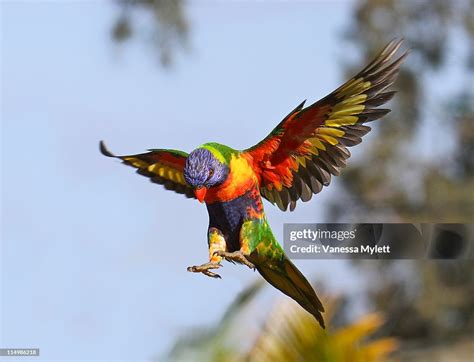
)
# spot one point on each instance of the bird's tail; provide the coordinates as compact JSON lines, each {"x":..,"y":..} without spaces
{"x":287,"y":278}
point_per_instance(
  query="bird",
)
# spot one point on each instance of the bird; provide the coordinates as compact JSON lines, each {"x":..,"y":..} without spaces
{"x":296,"y":160}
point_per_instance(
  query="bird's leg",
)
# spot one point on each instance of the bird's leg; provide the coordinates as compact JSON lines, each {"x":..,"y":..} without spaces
{"x":236,"y":256}
{"x":216,"y":242}
{"x":240,"y":256}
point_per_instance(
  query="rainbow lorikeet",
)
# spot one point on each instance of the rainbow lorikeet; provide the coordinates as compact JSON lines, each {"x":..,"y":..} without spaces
{"x":292,"y":163}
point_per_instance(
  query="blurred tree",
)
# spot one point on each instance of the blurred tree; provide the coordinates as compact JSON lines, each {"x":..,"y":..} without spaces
{"x":402,"y":182}
{"x":421,"y":163}
{"x":289,"y":334}
{"x":167,"y":30}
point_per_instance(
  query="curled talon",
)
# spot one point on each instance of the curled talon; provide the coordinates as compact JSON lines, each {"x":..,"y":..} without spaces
{"x":250,"y":265}
{"x":235,"y":257}
{"x":204,"y":268}
{"x":211,"y":274}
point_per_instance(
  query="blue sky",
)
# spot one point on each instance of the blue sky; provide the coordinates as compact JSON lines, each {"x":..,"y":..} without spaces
{"x":94,"y":257}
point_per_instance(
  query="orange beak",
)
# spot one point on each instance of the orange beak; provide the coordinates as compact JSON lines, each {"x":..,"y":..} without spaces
{"x":200,"y":193}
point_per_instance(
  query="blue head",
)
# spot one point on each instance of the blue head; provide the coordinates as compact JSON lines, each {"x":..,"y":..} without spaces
{"x":203,"y":170}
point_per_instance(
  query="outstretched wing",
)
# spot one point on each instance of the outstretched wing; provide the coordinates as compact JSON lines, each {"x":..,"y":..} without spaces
{"x":299,"y":156}
{"x":164,"y":167}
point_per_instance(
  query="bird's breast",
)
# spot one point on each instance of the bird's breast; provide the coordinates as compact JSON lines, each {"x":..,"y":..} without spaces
{"x":240,"y":180}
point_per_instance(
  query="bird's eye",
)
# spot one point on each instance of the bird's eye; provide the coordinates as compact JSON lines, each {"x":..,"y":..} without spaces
{"x":211,"y":172}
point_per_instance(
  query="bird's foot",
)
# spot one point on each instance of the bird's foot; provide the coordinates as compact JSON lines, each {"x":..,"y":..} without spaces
{"x":204,"y":268}
{"x":236,"y":256}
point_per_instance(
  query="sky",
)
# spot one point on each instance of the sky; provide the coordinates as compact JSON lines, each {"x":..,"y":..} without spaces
{"x":93,"y":256}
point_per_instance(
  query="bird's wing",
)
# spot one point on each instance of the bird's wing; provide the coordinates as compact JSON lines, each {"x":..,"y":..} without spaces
{"x":164,"y":167}
{"x":299,"y":156}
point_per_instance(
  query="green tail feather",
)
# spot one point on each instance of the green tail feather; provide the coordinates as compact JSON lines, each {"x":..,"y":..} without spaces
{"x":290,"y":281}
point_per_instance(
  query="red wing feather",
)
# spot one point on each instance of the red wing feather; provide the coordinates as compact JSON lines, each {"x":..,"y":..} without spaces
{"x":299,"y":156}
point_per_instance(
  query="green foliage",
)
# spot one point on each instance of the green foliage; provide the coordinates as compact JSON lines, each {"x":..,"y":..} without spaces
{"x":290,"y":334}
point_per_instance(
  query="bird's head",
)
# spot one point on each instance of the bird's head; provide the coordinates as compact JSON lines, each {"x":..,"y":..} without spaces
{"x":203,"y":170}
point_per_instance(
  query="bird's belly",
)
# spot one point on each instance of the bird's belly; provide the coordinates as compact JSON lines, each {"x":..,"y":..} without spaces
{"x":228,"y":216}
